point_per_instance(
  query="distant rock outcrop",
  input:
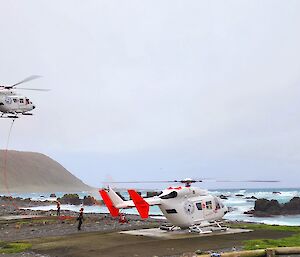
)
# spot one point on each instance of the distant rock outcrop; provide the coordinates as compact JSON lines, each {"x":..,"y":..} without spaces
{"x":36,"y":172}
{"x":75,"y":200}
{"x":264,"y":207}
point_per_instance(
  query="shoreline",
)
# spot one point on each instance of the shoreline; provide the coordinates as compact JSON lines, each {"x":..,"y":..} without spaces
{"x":52,"y":236}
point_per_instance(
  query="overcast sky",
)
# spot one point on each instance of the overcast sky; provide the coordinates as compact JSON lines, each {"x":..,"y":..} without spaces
{"x":158,"y":89}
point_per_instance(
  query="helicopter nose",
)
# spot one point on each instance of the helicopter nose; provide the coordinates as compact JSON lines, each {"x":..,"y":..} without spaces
{"x":33,"y":106}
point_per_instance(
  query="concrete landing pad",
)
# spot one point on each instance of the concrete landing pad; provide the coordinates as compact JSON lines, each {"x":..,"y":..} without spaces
{"x":163,"y":234}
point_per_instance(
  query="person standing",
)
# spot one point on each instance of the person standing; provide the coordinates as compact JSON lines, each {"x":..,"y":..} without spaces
{"x":80,"y":219}
{"x":58,"y":208}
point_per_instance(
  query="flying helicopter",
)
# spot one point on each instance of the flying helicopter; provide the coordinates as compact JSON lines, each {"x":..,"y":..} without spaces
{"x":13,"y":104}
{"x":184,"y":206}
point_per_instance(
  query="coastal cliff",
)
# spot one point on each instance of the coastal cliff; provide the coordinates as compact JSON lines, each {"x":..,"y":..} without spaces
{"x":36,"y":172}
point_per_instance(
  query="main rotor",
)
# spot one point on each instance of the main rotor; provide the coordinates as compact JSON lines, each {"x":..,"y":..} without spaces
{"x":189,"y":181}
{"x":30,"y":78}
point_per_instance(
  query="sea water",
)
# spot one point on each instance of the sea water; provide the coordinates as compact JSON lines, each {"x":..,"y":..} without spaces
{"x":238,"y":204}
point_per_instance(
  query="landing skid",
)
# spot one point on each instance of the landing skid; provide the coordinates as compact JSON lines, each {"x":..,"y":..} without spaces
{"x":168,"y":227}
{"x":9,"y":116}
{"x":208,"y":228}
{"x":14,"y":116}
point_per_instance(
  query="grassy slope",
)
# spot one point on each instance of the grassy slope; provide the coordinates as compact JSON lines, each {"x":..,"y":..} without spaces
{"x":290,"y":241}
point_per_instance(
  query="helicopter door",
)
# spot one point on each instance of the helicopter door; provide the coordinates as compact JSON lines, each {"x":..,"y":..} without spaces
{"x":199,"y":211}
{"x":207,"y":206}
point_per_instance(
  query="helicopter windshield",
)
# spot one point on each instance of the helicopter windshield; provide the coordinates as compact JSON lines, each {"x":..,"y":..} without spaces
{"x":173,"y":194}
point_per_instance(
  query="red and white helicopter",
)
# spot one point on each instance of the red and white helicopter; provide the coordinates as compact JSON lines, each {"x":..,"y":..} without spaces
{"x":184,"y":206}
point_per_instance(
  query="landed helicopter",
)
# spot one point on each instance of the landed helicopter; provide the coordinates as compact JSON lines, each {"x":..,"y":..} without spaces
{"x":184,"y":206}
{"x":13,"y":104}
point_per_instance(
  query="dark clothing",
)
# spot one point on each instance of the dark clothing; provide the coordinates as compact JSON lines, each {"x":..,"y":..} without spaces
{"x":58,"y":208}
{"x":80,"y":220}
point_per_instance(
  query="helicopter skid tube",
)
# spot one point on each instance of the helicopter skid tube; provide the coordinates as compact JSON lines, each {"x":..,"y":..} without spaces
{"x":214,"y":226}
{"x":169,"y":227}
{"x":9,"y":117}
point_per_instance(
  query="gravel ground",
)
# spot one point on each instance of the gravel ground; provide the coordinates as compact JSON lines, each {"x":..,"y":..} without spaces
{"x":52,"y":226}
{"x":49,"y":225}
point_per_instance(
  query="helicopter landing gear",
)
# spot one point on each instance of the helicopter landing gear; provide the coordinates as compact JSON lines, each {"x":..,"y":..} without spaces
{"x":169,"y":227}
{"x":209,"y":228}
{"x":9,"y":116}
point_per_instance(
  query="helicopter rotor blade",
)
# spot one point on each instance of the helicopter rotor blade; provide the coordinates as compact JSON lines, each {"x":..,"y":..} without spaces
{"x":250,"y":181}
{"x":33,"y":89}
{"x":192,"y":181}
{"x":138,"y":182}
{"x":158,"y":181}
{"x":25,"y":80}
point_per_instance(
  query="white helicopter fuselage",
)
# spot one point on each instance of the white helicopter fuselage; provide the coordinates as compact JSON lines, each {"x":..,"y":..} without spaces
{"x":188,"y":206}
{"x":10,"y":102}
{"x":183,"y":206}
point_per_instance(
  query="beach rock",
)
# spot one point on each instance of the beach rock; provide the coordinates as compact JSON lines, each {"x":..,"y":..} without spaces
{"x":265,"y":208}
{"x":239,"y":195}
{"x":277,"y":192}
{"x":251,"y":198}
{"x":89,"y":200}
{"x":53,"y":195}
{"x":70,"y":199}
{"x":250,"y":212}
{"x":224,"y":197}
{"x":293,"y":205}
{"x":268,"y":206}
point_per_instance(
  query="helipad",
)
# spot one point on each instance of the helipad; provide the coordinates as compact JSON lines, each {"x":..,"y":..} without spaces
{"x":156,"y":232}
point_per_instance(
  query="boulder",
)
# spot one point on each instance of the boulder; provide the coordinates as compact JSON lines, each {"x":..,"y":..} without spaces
{"x":293,"y":205}
{"x":70,"y":199}
{"x":224,"y":197}
{"x":53,"y":195}
{"x":264,"y":207}
{"x":269,"y":206}
{"x":89,"y":200}
{"x":251,"y":197}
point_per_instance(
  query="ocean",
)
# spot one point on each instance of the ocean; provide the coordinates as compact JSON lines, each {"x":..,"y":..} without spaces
{"x":238,"y":203}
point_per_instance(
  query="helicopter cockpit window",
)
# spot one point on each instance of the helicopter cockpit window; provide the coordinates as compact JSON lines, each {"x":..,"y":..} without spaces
{"x":209,"y":205}
{"x":21,"y":101}
{"x":27,"y":101}
{"x":173,"y":194}
{"x":199,"y":206}
{"x":15,"y":100}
